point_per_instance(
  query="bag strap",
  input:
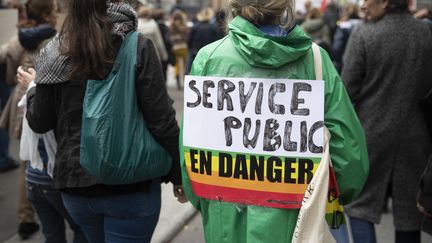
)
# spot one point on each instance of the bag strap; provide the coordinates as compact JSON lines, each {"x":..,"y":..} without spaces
{"x":130,"y":39}
{"x":317,"y":62}
{"x":333,"y":186}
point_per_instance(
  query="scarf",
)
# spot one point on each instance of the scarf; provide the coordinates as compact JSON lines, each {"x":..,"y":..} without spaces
{"x":52,"y":67}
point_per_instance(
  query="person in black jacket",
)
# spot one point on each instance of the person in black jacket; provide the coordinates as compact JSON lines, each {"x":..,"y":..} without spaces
{"x":85,"y":49}
{"x":159,"y":17}
{"x":204,"y":32}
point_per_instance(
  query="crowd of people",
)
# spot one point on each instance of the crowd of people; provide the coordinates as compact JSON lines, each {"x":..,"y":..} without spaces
{"x":375,"y":65}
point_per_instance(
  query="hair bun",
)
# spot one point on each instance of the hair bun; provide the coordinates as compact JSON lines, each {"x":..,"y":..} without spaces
{"x":252,"y":14}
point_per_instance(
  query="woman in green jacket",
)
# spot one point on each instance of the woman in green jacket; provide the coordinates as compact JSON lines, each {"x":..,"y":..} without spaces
{"x":258,"y":46}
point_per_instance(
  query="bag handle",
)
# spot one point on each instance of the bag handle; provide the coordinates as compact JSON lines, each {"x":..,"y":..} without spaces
{"x":333,"y":186}
{"x":317,"y":62}
{"x":127,"y":40}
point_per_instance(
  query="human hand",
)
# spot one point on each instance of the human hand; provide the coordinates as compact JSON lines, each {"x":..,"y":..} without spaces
{"x":25,"y":77}
{"x":421,"y":14}
{"x":180,"y":194}
{"x":423,"y":210}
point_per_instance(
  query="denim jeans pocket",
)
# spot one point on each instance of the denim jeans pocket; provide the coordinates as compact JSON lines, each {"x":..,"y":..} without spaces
{"x":137,"y":205}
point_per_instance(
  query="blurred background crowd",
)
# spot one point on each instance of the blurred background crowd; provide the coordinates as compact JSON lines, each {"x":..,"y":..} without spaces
{"x":179,"y":29}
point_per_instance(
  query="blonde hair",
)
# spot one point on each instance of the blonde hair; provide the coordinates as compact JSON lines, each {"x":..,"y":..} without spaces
{"x":205,"y":14}
{"x":145,"y":12}
{"x":350,"y":10}
{"x":261,"y":12}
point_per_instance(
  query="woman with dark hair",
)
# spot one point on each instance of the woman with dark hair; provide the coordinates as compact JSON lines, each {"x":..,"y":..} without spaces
{"x":86,"y":48}
{"x":202,"y":33}
{"x":34,"y":32}
{"x":387,"y":71}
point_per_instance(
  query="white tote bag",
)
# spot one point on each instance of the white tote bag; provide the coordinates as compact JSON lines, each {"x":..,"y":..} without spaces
{"x":312,"y":226}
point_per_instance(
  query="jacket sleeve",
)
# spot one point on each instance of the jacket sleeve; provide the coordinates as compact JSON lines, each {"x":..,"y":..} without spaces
{"x":354,"y":59}
{"x":347,"y":144}
{"x":13,"y":57}
{"x":41,"y":114}
{"x":156,"y":105}
{"x":197,"y":70}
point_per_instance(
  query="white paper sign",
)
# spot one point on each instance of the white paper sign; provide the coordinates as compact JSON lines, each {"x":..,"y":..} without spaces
{"x":277,"y":117}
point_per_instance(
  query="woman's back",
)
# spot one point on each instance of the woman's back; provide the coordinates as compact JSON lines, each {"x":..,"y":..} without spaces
{"x":86,"y":49}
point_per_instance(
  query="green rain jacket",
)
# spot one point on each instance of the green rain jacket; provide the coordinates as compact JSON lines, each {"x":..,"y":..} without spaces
{"x":248,"y":52}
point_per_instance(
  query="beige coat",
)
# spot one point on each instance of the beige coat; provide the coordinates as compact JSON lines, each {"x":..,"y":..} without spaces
{"x":14,"y":55}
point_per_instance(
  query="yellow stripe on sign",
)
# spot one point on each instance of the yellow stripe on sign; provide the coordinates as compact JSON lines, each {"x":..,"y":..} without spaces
{"x":255,"y":185}
{"x":295,"y":168}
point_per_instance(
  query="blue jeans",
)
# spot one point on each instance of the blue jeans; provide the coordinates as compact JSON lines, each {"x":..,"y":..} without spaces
{"x":49,"y":207}
{"x":117,"y":219}
{"x":363,"y":231}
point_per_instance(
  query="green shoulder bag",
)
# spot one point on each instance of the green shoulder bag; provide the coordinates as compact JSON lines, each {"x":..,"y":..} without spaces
{"x":116,"y":146}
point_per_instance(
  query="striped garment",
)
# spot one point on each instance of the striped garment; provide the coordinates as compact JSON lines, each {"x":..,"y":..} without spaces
{"x":52,"y":67}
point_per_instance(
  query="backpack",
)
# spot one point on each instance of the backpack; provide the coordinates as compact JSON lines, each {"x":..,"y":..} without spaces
{"x":116,"y":146}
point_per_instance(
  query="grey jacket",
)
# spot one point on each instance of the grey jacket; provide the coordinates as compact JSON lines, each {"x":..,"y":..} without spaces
{"x":388,"y":69}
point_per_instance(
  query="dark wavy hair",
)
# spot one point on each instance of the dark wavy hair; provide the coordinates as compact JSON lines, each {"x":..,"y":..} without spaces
{"x":86,"y":39}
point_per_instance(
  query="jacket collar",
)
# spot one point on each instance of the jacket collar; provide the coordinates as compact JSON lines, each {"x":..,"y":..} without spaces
{"x":261,"y":50}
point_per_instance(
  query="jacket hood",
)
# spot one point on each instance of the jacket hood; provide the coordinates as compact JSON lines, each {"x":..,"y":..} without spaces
{"x":30,"y":38}
{"x":313,"y":25}
{"x":264,"y":51}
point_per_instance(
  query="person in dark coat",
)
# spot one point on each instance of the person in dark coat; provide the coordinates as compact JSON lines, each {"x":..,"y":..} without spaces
{"x":331,"y":17}
{"x":348,"y":22}
{"x":387,"y":70}
{"x":202,"y":33}
{"x":105,"y":213}
{"x":158,"y":16}
{"x":34,"y":32}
